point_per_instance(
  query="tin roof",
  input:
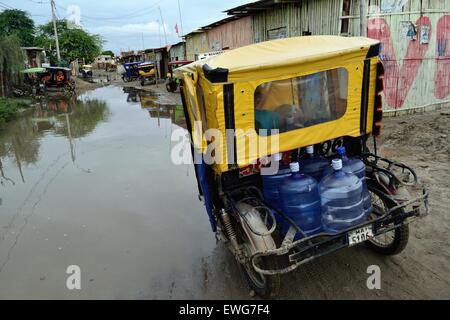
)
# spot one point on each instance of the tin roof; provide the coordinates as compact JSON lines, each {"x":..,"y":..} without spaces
{"x":180,"y":43}
{"x":220,"y":22}
{"x":258,"y":6}
{"x":193,"y":32}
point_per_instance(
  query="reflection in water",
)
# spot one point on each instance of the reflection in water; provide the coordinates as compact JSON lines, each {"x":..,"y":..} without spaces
{"x":20,"y":143}
{"x":70,"y":117}
{"x":131,"y":202}
{"x":173,"y":112}
{"x":87,"y":115}
{"x":150,"y":101}
{"x":17,"y":140}
{"x":4,"y":179}
{"x":132,"y":94}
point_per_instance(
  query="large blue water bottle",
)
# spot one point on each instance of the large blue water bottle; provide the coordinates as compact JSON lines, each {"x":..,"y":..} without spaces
{"x":358,"y":168}
{"x":313,"y":165}
{"x":341,"y":196}
{"x":271,"y":183}
{"x":300,"y":201}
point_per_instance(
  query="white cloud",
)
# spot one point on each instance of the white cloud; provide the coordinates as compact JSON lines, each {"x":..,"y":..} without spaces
{"x":152,"y":28}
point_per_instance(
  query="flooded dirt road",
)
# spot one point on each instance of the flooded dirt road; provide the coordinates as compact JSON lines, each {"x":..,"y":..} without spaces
{"x":89,"y":182}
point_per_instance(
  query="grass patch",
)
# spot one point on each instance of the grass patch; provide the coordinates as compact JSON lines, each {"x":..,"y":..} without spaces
{"x":9,"y":107}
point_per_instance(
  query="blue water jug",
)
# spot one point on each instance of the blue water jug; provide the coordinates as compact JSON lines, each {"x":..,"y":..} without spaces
{"x":313,"y":165}
{"x":341,"y":196}
{"x":300,"y":201}
{"x":358,"y":168}
{"x":271,"y":184}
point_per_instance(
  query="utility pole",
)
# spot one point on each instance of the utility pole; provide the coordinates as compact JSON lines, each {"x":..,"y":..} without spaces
{"x":52,"y":4}
{"x":158,"y":71}
{"x":363,"y":18}
{"x":159,"y":34}
{"x":164,"y":27}
{"x":181,"y":20}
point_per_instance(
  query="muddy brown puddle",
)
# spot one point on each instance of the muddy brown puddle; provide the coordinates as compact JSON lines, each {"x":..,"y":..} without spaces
{"x":88,"y":181}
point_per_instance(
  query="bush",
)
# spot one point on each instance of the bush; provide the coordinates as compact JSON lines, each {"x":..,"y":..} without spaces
{"x":10,"y":107}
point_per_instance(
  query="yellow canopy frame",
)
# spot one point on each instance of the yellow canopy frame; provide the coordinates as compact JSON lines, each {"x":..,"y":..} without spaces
{"x":219,"y":93}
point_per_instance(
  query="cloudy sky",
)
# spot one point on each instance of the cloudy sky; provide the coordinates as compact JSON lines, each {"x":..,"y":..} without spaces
{"x":130,"y":24}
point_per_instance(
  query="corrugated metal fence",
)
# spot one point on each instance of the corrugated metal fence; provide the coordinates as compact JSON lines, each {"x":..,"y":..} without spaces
{"x":415,"y":49}
{"x":296,"y":19}
{"x":415,"y":37}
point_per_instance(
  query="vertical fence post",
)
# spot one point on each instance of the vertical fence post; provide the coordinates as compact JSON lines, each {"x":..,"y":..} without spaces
{"x":363,"y":18}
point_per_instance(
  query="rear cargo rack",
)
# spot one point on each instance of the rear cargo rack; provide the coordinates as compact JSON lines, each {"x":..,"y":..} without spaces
{"x":309,"y":248}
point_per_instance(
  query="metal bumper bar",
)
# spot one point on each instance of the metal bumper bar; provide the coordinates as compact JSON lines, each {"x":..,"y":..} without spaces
{"x":312,"y":247}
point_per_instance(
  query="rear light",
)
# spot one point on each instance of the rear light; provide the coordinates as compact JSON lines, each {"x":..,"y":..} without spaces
{"x":378,"y":114}
{"x":263,"y":162}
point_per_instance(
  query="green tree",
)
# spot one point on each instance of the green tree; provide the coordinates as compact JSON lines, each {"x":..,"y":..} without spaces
{"x":74,"y":43}
{"x":108,"y":53}
{"x":11,"y":62}
{"x":18,"y":23}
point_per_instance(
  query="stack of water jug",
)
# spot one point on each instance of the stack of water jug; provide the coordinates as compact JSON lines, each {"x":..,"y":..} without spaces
{"x":318,"y":196}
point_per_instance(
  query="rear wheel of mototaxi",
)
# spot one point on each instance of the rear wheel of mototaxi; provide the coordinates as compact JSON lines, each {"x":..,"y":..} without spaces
{"x":394,"y":241}
{"x":265,"y":286}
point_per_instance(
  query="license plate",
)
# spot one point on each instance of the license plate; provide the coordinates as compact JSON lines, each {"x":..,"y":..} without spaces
{"x":359,"y":235}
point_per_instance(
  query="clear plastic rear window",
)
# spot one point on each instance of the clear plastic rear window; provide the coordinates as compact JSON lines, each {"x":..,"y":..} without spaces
{"x":301,"y":102}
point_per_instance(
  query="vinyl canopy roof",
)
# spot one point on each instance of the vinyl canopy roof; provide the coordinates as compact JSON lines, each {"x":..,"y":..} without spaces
{"x":284,"y":52}
{"x":58,"y":68}
{"x":33,"y":70}
{"x":146,"y":63}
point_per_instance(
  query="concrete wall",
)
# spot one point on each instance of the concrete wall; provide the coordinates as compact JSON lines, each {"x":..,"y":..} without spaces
{"x":103,"y":58}
{"x":178,"y":52}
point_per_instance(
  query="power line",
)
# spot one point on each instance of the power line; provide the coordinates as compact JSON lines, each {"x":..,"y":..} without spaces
{"x":8,"y":7}
{"x":4,"y":5}
{"x":39,"y":1}
{"x":133,"y":14}
{"x":164,"y":27}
